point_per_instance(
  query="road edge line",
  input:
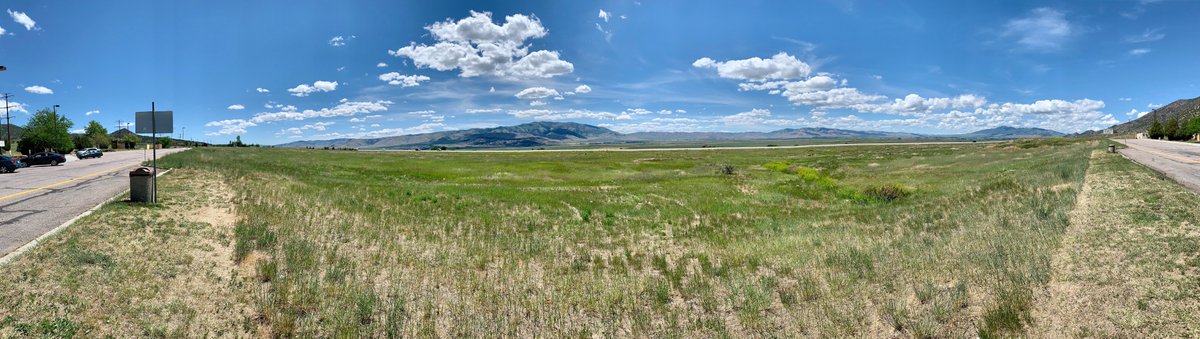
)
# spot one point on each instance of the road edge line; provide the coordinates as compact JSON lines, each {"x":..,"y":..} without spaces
{"x":12,"y":256}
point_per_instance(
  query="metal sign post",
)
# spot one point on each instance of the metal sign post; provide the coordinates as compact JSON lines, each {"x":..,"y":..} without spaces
{"x":154,"y":122}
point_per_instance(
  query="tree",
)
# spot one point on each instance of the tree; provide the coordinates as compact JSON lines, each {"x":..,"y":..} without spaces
{"x":165,"y":142}
{"x":47,"y":130}
{"x":1156,"y":129}
{"x":97,"y":134}
{"x":1171,"y":129}
{"x":1192,"y":128}
{"x":131,"y":140}
{"x":81,"y":141}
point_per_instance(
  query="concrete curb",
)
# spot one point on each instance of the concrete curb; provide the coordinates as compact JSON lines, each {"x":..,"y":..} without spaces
{"x":11,"y":256}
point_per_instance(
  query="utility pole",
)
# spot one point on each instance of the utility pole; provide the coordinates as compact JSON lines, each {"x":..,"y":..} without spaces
{"x":7,"y":124}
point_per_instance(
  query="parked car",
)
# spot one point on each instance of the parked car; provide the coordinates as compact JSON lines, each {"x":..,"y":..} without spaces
{"x":89,"y":153}
{"x":45,"y":158}
{"x":8,"y":164}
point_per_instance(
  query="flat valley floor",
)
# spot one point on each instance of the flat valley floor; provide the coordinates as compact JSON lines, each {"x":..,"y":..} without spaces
{"x":1030,"y":238}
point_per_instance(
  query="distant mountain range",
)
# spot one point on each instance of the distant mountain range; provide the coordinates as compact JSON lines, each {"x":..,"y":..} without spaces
{"x":1005,"y":132}
{"x":1183,"y":109}
{"x":537,"y":134}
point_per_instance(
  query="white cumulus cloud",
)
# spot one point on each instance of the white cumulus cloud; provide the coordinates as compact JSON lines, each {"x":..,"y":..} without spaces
{"x":262,"y":90}
{"x":397,"y":79}
{"x":304,"y":90}
{"x":570,"y":114}
{"x":92,"y":112}
{"x":289,"y":113}
{"x":822,"y":92}
{"x":35,"y":89}
{"x":604,"y":15}
{"x":235,"y":107}
{"x":582,"y":89}
{"x":779,"y":67}
{"x":536,"y":93}
{"x":23,"y":19}
{"x":476,"y":46}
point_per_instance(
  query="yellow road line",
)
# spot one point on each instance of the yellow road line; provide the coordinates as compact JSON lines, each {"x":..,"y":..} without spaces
{"x":1165,"y":155}
{"x":14,"y":195}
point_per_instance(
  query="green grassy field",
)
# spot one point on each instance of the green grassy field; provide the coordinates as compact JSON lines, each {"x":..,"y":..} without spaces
{"x":995,"y":240}
{"x":651,"y":243}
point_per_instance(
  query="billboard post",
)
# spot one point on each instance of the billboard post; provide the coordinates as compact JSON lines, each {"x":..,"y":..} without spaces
{"x":154,"y":122}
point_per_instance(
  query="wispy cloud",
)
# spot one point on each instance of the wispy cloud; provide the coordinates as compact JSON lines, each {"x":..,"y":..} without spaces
{"x":1042,"y":30}
{"x":1146,"y":36}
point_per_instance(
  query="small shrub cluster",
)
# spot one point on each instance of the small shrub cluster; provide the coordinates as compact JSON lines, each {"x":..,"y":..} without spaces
{"x":887,"y":192}
{"x":727,"y":169}
{"x":814,"y":184}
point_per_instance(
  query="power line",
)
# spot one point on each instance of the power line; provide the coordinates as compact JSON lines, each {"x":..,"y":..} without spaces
{"x":7,"y":124}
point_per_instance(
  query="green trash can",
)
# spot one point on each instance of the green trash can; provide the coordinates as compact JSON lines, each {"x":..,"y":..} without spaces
{"x":141,"y":185}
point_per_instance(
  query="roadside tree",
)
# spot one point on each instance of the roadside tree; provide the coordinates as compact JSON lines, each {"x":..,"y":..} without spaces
{"x":47,"y":130}
{"x":1171,"y":129}
{"x":1156,"y":129}
{"x":131,"y":140}
{"x":97,"y":135}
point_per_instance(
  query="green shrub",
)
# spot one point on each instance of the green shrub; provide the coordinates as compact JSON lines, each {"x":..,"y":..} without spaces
{"x":727,"y":169}
{"x":887,"y":192}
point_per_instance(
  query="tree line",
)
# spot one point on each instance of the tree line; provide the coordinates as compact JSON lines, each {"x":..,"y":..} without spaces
{"x":48,"y":130}
{"x":1175,"y":129}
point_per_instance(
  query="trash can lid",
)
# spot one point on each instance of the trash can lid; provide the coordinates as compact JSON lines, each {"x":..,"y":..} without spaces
{"x":141,"y":171}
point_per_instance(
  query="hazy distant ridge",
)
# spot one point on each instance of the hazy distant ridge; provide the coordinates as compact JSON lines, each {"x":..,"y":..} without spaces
{"x":543,"y":133}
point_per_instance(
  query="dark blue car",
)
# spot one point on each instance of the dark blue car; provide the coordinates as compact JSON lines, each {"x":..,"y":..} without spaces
{"x":45,"y":158}
{"x":8,"y":164}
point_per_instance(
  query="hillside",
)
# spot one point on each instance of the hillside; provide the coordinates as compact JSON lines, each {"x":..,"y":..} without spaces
{"x":783,"y":134}
{"x":1180,"y":109}
{"x":16,"y":131}
{"x":536,"y":134}
{"x":523,"y":135}
{"x":1006,"y":132}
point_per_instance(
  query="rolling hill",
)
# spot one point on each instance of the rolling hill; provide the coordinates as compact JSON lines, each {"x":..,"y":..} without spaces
{"x":1006,"y":132}
{"x":523,"y":135}
{"x":16,"y":131}
{"x":537,"y":134}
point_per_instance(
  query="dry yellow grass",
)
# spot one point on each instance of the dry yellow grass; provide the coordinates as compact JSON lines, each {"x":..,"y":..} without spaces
{"x":624,"y":245}
{"x":1129,"y":263}
{"x":136,"y":271}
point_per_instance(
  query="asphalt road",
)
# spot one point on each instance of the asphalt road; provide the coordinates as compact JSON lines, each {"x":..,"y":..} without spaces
{"x":1177,"y":160}
{"x":37,"y":199}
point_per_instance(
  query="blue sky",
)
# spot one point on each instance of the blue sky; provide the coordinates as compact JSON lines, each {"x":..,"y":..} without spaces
{"x":279,"y":71}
